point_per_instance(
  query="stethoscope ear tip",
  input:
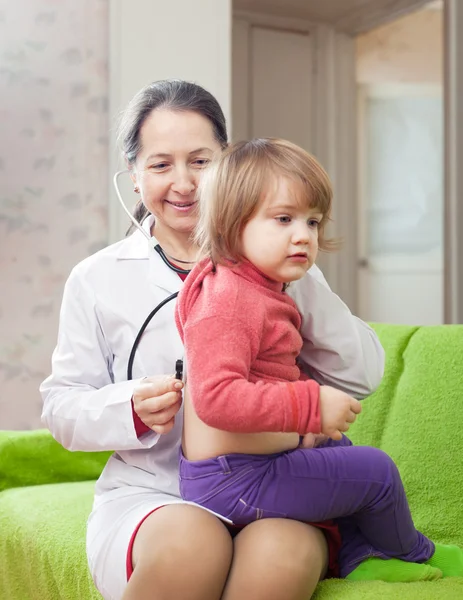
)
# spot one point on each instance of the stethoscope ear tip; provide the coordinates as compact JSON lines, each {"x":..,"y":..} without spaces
{"x":126,"y":210}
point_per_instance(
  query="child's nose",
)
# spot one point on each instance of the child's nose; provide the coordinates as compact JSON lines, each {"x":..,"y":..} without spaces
{"x":302,"y":234}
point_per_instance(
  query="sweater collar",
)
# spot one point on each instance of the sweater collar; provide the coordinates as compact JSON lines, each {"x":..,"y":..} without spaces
{"x":251,"y":273}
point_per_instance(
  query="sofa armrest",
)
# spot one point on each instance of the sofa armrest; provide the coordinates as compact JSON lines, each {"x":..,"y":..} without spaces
{"x":35,"y":458}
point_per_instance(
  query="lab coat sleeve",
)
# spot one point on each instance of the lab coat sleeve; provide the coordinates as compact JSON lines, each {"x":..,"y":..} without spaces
{"x":339,"y":349}
{"x":83,"y":408}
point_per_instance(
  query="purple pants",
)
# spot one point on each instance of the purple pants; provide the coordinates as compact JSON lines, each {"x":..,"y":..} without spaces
{"x":358,"y":486}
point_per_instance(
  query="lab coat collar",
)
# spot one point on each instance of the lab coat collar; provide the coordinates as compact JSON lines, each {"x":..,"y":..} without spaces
{"x":137,"y":246}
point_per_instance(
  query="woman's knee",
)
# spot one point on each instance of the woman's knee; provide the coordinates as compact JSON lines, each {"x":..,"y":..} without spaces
{"x":297,"y":547}
{"x":277,"y":558}
{"x":184,"y":549}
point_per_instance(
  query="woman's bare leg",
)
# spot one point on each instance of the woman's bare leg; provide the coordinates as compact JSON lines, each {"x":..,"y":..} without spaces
{"x":275,"y":559}
{"x":180,"y":551}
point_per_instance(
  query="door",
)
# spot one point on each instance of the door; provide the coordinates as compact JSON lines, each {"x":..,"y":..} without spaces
{"x":272,"y":82}
{"x":401,"y":213}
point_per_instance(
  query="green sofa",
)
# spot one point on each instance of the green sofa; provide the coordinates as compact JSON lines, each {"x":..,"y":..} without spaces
{"x":416,"y":416}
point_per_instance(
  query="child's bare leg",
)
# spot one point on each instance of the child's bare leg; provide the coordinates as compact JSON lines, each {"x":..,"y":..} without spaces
{"x":277,"y":558}
{"x":180,"y":551}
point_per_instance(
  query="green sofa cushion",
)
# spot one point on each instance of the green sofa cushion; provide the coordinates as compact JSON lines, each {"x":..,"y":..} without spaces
{"x":42,"y":542}
{"x":415,"y":416}
{"x":43,"y":552}
{"x":35,"y":458}
{"x":337,"y":589}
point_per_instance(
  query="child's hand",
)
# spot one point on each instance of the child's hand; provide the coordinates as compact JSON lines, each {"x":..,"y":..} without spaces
{"x":338,"y":410}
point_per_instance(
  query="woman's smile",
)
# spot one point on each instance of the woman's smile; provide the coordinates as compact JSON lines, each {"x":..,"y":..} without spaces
{"x":182,"y":206}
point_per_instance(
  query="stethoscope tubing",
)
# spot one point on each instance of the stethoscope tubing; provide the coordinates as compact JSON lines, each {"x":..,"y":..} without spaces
{"x":160,"y":251}
{"x":142,"y":331}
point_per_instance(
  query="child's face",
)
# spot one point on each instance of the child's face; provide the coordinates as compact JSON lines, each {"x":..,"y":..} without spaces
{"x":281,"y":239}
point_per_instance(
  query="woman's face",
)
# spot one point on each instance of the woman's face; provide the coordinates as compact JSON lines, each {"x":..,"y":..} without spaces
{"x":175,"y":148}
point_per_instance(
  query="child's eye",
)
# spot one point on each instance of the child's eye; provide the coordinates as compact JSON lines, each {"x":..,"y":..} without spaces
{"x":284,"y":219}
{"x":313,"y":223}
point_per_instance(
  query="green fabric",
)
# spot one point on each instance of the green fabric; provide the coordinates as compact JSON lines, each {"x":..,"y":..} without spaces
{"x":35,"y":458}
{"x":42,"y":542}
{"x":448,"y":559}
{"x":415,"y":416}
{"x":419,"y":408}
{"x":394,"y":571}
{"x":337,"y":589}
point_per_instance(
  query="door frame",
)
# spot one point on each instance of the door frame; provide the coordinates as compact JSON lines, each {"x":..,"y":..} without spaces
{"x":453,"y":116}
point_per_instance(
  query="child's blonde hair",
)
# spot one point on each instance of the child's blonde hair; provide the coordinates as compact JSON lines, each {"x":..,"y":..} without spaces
{"x":234,"y":185}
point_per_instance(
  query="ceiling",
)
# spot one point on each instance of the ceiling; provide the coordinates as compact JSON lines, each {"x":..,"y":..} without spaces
{"x":350,"y":16}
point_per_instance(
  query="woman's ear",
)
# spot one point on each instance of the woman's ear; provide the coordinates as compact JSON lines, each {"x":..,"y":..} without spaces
{"x":133,"y":177}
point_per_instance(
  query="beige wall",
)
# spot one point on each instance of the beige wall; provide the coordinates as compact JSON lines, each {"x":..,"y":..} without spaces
{"x":53,"y":179}
{"x":409,"y":50}
{"x":54,"y":97}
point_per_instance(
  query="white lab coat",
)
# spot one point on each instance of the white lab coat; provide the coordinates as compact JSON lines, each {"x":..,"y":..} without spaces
{"x":87,"y":399}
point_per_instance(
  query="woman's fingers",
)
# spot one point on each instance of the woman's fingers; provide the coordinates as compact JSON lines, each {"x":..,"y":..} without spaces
{"x":162,"y":421}
{"x":165,"y":428}
{"x":159,"y":403}
{"x":162,"y":417}
{"x":152,"y":387}
{"x":308,"y":441}
{"x":157,"y":400}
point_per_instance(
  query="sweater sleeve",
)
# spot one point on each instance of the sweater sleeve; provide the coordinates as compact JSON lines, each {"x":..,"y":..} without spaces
{"x":219,"y":354}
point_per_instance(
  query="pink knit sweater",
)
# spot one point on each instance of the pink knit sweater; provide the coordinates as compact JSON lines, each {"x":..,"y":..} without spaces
{"x":241,"y":337}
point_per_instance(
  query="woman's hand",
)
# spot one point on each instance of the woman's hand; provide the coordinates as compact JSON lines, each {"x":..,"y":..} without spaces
{"x":157,"y":400}
{"x":313,"y":440}
{"x":338,"y":411}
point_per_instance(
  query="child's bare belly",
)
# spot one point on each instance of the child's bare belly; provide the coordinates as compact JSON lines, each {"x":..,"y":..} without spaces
{"x":200,"y":442}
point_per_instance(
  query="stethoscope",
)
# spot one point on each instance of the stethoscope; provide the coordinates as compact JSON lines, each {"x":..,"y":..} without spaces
{"x":153,"y":244}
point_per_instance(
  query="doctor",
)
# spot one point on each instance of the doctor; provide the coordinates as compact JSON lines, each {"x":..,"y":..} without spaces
{"x":139,"y":524}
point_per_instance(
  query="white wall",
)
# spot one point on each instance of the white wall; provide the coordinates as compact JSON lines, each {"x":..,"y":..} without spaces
{"x":159,"y":39}
{"x":54,"y":174}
